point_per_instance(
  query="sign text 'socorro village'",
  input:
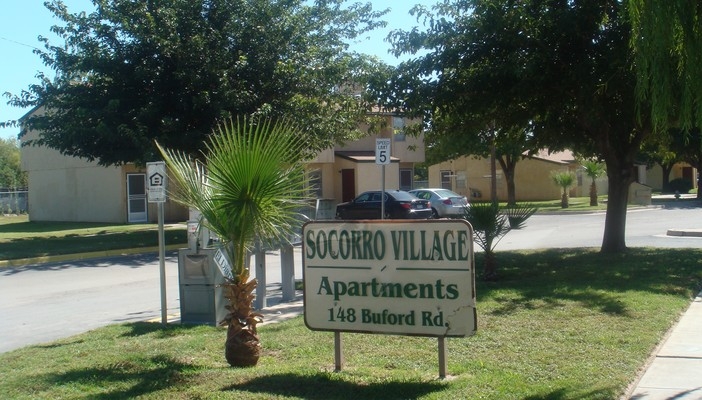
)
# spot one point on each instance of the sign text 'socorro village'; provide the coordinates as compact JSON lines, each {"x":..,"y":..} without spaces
{"x":399,"y":277}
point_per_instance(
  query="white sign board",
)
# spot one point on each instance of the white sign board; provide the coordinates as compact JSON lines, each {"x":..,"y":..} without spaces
{"x":223,"y":264}
{"x":399,"y":277}
{"x":156,"y":180}
{"x":382,"y":151}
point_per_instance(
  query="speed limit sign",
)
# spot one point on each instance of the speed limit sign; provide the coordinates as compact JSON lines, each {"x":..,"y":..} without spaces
{"x":382,"y":151}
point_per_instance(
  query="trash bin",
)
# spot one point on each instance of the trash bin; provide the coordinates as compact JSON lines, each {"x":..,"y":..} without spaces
{"x":201,"y":299}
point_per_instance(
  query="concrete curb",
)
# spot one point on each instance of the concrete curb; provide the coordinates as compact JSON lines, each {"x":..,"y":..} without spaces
{"x":685,"y":232}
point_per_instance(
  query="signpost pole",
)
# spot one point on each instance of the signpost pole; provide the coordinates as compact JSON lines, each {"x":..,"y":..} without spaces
{"x":162,"y":263}
{"x":156,"y":193}
{"x":382,"y":196}
{"x":338,"y":352}
{"x":442,"y":357}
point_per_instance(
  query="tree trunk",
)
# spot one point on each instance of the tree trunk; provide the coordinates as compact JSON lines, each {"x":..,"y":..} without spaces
{"x":620,"y":175}
{"x":242,"y":348}
{"x":489,"y":266}
{"x":511,"y":190}
{"x":593,"y":194}
{"x":665,"y":185}
{"x":564,"y":198}
{"x":508,"y":163}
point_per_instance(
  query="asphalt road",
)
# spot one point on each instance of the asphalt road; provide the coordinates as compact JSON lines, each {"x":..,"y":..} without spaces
{"x":41,"y":303}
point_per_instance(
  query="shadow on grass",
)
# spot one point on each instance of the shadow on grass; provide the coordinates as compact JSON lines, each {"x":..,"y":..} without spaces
{"x":58,"y":344}
{"x":42,"y":246}
{"x":547,"y":278}
{"x":160,"y":331}
{"x":128,"y":261}
{"x":136,"y":380}
{"x":322,"y":387}
{"x":41,"y":227}
{"x":560,"y":394}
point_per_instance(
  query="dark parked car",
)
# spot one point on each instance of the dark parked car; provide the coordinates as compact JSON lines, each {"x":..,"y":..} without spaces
{"x":398,"y":205}
{"x":444,"y":203}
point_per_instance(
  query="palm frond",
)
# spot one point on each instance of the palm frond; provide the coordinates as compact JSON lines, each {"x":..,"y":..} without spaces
{"x":253,"y":186}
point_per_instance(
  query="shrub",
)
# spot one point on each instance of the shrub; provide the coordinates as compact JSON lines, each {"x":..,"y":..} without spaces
{"x":489,"y":226}
{"x":680,"y":185}
{"x":518,"y":214}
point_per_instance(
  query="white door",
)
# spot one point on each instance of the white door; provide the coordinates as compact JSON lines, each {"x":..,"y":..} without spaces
{"x":136,"y":198}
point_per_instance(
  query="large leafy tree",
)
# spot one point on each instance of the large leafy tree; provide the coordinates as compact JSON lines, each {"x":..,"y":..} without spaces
{"x":445,"y":141}
{"x":563,"y":66}
{"x":667,"y":43}
{"x":132,"y":72}
{"x":454,"y":126}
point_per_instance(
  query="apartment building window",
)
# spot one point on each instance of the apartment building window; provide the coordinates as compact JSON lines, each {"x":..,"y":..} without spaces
{"x":315,"y":183}
{"x":461,"y":181}
{"x":398,"y":129}
{"x":406,"y":179}
{"x":446,"y":179}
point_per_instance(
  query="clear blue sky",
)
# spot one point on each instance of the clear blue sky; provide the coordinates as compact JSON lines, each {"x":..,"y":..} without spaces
{"x":22,"y":21}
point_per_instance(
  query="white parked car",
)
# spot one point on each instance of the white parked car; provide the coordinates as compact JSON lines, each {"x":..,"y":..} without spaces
{"x":444,"y":203}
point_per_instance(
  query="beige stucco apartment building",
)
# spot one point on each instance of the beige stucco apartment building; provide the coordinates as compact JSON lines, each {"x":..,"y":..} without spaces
{"x":345,"y":171}
{"x":472,"y":178}
{"x":63,"y":188}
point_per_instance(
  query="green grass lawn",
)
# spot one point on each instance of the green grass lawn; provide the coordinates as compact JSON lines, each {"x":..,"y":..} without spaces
{"x":20,"y":238}
{"x":560,"y":324}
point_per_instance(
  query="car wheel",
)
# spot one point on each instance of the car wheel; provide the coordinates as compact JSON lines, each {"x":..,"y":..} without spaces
{"x":434,"y":214}
{"x":387,"y":215}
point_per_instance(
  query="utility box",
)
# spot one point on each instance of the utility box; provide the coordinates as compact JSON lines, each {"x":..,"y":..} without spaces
{"x":640,"y":194}
{"x":201,"y":299}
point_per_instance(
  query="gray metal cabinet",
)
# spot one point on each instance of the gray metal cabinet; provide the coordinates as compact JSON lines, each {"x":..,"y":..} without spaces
{"x":201,"y":299}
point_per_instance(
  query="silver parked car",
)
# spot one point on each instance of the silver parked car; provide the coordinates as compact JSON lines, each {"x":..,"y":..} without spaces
{"x":444,"y":203}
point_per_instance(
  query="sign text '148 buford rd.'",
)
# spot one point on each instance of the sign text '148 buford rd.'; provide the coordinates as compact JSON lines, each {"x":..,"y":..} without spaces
{"x":414,"y":278}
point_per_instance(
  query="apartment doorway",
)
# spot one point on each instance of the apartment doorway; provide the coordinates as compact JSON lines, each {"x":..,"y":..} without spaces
{"x":136,"y":198}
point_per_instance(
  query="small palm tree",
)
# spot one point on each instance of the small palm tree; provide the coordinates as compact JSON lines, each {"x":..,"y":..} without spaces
{"x":594,"y":170}
{"x":251,"y":186}
{"x":565,"y":180}
{"x":489,"y":226}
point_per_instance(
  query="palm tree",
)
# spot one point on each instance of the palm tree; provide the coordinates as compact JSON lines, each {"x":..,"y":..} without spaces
{"x":594,"y":170}
{"x":564,"y":179}
{"x":489,"y":226}
{"x":251,"y":186}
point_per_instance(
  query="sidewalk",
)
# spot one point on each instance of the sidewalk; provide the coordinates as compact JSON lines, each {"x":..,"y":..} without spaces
{"x":675,"y":372}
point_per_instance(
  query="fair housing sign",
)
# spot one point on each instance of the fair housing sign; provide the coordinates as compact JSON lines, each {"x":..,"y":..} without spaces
{"x":396,"y":277}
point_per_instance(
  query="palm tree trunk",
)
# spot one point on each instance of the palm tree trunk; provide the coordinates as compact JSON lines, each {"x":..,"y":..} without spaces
{"x":490,"y":266}
{"x":242,"y":348}
{"x":593,"y":194}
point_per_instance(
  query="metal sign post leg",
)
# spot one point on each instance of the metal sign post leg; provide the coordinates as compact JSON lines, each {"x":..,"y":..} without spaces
{"x":442,"y":357}
{"x":338,"y":352}
{"x":162,"y":264}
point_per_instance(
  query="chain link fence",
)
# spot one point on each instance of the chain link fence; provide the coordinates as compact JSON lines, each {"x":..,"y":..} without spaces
{"x":14,"y":202}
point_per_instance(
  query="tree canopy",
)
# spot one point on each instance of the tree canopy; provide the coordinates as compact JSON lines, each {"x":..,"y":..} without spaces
{"x":667,"y":43}
{"x":11,"y":174}
{"x":562,"y":69}
{"x":133,"y":72}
